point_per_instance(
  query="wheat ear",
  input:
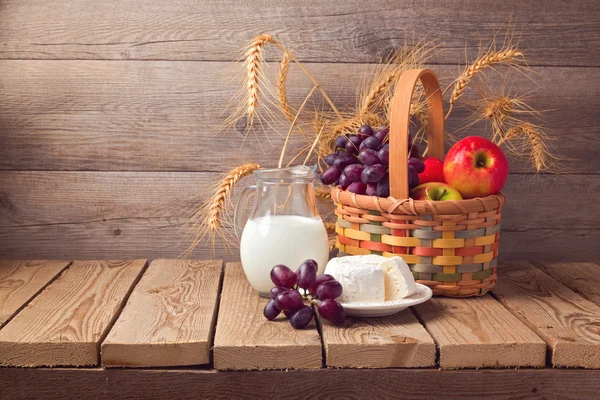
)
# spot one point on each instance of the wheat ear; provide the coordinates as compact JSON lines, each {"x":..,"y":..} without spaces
{"x":504,"y":56}
{"x":254,"y":58}
{"x":530,"y":141}
{"x":284,"y":68}
{"x":208,"y":219}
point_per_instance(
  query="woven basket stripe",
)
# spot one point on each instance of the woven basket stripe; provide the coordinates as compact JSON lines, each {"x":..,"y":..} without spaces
{"x":486,"y":257}
{"x":446,"y":277}
{"x":447,"y":260}
{"x":469,"y":251}
{"x":347,"y":241}
{"x":380,"y":230}
{"x":375,"y":246}
{"x":427,"y":268}
{"x":470,"y":233}
{"x":426,"y":251}
{"x":484,"y":240}
{"x":426,"y":234}
{"x":400,"y":241}
{"x":356,"y":234}
{"x":448,"y":243}
{"x":375,"y":238}
{"x":342,"y":223}
{"x":466,"y":268}
{"x":482,"y":274}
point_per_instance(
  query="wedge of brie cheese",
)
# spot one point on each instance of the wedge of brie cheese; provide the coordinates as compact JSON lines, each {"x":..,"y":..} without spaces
{"x":372,"y":278}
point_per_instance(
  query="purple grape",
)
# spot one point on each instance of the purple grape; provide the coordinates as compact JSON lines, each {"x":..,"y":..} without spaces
{"x":353,"y":144}
{"x":329,"y":160}
{"x":343,"y":160}
{"x":329,"y":290}
{"x":366,"y":130}
{"x":417,"y":164}
{"x":384,"y":155}
{"x":271,"y":311}
{"x":353,"y":172}
{"x":332,"y":311}
{"x":288,"y":314}
{"x":290,"y":300}
{"x":312,"y":263}
{"x":307,"y":274}
{"x":344,"y":182}
{"x":371,"y":189}
{"x":383,"y":187}
{"x":382,"y":134}
{"x":320,"y":279}
{"x":373,"y":173}
{"x":368,"y":157}
{"x":283,"y":276}
{"x":330,"y":175}
{"x":413,"y":177}
{"x":357,"y":187}
{"x":340,"y":142}
{"x":370,"y":143}
{"x":302,"y":317}
{"x":276,"y":290}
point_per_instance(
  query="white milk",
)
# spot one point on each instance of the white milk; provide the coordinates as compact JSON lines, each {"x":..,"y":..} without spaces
{"x":281,"y":239}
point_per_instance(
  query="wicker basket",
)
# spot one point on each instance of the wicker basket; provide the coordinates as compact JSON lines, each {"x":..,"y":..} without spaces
{"x":450,"y":246}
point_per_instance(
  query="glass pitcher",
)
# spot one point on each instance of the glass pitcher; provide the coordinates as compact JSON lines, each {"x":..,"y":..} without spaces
{"x":283,"y":227}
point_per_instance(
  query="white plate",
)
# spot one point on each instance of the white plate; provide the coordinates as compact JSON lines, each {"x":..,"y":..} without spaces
{"x":422,"y":294}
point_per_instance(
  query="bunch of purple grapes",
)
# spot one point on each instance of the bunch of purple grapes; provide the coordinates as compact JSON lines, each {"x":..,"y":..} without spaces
{"x":361,"y":162}
{"x":286,"y":297}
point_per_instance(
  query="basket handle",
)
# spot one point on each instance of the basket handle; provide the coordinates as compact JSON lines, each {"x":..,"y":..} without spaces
{"x":399,"y":124}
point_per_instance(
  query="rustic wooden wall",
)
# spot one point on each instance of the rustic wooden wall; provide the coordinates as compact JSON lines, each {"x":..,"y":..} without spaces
{"x":109,"y":111}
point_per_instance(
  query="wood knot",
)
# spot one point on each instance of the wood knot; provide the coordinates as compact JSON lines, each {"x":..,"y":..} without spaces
{"x":117,"y":232}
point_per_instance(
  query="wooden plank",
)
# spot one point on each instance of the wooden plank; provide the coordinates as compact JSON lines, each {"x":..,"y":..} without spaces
{"x":582,"y":278}
{"x":169,"y":318}
{"x":375,"y":384}
{"x":147,"y":218}
{"x":65,"y":324}
{"x":346,"y":31}
{"x":160,"y":116}
{"x":395,"y":341}
{"x":480,"y":333}
{"x":245,"y":340}
{"x":566,"y":321}
{"x":20,"y":281}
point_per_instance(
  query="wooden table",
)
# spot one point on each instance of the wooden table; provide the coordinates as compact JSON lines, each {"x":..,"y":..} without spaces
{"x":92,"y":329}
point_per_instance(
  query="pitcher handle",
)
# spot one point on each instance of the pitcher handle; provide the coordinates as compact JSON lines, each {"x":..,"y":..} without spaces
{"x":240,"y":211}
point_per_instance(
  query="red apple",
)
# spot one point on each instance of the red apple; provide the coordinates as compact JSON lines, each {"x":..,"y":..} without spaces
{"x":434,"y":171}
{"x":476,"y":167}
{"x":436,"y":191}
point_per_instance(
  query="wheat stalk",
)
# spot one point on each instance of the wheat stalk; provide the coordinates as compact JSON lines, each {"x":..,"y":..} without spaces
{"x":208,"y":219}
{"x":506,"y":55}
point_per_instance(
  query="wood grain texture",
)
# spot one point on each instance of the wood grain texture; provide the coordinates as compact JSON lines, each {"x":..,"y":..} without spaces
{"x":395,"y":341}
{"x":566,"y":321}
{"x":582,"y":278}
{"x":169,"y":318}
{"x":555,"y":34}
{"x":147,"y":218}
{"x":245,"y":339}
{"x":20,"y":281}
{"x":322,"y":384}
{"x":65,"y":324}
{"x":480,"y":333}
{"x":165,"y":116}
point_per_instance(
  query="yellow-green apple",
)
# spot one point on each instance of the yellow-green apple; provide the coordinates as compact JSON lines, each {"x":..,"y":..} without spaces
{"x":476,"y":167}
{"x":436,"y":191}
{"x":434,"y":170}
